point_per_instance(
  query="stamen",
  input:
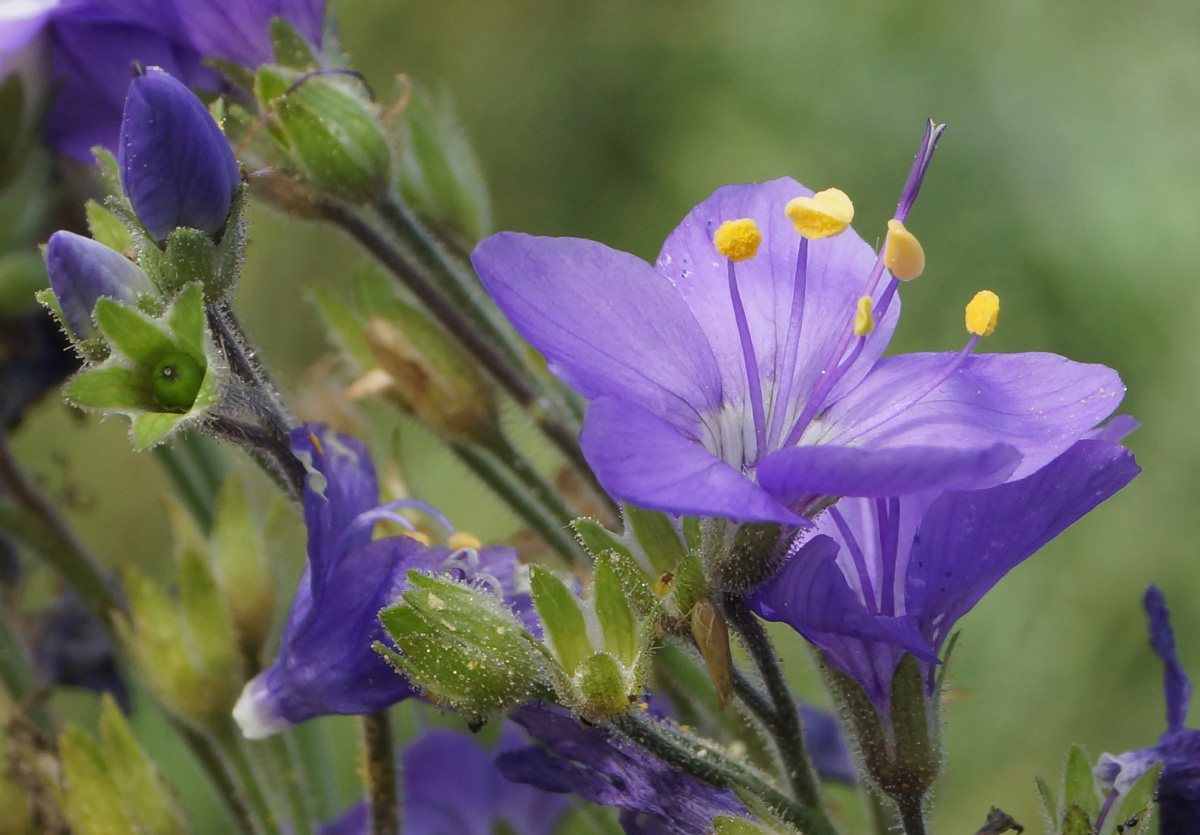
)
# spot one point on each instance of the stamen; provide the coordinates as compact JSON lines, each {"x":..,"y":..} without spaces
{"x":367,"y":519}
{"x":753,"y":381}
{"x":902,"y":252}
{"x":462,"y":539}
{"x":783,"y":393}
{"x":423,"y":538}
{"x":860,"y":561}
{"x":316,"y":442}
{"x":825,"y":214}
{"x":982,"y":312}
{"x":864,"y":322}
{"x":738,"y":240}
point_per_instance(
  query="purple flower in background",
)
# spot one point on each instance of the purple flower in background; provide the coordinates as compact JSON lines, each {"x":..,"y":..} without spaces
{"x":82,"y":271}
{"x":877,"y":578}
{"x":325,"y":662}
{"x":94,"y":42}
{"x":450,"y":786}
{"x":176,"y":167}
{"x":601,"y":766}
{"x":73,"y":648}
{"x":740,"y":376}
{"x":1178,"y":748}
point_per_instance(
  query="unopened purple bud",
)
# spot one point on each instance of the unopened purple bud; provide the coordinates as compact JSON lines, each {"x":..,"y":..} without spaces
{"x":176,"y":167}
{"x":82,"y":271}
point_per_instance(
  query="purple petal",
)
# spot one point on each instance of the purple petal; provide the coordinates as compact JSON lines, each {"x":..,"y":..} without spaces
{"x":858,"y":471}
{"x":641,"y":458}
{"x":83,"y":271}
{"x":827,"y":746}
{"x":177,"y":168}
{"x":1176,"y":686}
{"x":837,"y":273}
{"x":968,"y":540}
{"x":601,"y":766}
{"x":240,"y":30}
{"x":1179,"y":784}
{"x":73,"y":648}
{"x":1038,"y":403}
{"x":607,"y":323}
{"x":21,"y":21}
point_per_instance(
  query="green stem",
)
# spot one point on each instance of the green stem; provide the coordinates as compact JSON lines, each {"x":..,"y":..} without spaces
{"x":310,"y":746}
{"x":518,"y":497}
{"x":187,"y":484}
{"x":912,"y":818}
{"x":538,"y":487}
{"x":247,"y":778}
{"x":715,"y":767}
{"x":380,"y":765}
{"x":217,"y":768}
{"x":784,"y":721}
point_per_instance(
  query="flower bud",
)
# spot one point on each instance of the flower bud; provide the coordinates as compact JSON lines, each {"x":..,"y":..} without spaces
{"x":176,"y":166}
{"x":83,"y":271}
{"x":328,"y":132}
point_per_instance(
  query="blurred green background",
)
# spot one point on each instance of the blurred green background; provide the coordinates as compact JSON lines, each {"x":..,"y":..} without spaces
{"x":1068,"y":182}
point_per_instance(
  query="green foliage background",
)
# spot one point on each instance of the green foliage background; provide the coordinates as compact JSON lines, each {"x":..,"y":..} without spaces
{"x":1068,"y":182}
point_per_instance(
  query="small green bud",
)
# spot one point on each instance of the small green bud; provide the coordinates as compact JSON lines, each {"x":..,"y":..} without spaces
{"x":464,"y":646}
{"x":175,"y":381}
{"x":328,"y":131}
{"x":602,"y":684}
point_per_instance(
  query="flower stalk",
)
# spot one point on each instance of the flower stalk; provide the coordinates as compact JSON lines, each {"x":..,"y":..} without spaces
{"x":379,"y":765}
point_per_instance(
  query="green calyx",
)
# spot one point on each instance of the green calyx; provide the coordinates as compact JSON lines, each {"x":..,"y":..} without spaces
{"x":161,"y":372}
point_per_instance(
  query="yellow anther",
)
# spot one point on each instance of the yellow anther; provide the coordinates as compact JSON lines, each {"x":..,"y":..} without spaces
{"x":662,"y":586}
{"x":825,"y":214}
{"x":316,"y":442}
{"x":864,"y":321}
{"x":462,"y":539}
{"x":982,"y":312}
{"x":738,"y":240}
{"x":902,"y":252}
{"x":418,"y":536}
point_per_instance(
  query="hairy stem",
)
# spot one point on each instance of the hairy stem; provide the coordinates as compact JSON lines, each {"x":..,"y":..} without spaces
{"x":784,"y":722}
{"x":380,"y":766}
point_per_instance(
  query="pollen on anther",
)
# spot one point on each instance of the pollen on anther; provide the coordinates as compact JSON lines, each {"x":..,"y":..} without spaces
{"x":418,"y":536}
{"x":982,"y":312}
{"x":825,"y":214}
{"x":738,"y":240}
{"x":902,"y":252}
{"x":316,"y":442}
{"x":462,"y":539}
{"x":864,"y":320}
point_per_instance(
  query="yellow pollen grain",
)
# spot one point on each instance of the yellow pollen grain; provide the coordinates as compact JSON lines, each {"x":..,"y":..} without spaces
{"x":864,"y":320}
{"x":982,"y":312}
{"x":462,"y":539}
{"x":902,"y":252}
{"x":316,"y":442}
{"x":418,"y":536}
{"x":738,"y":240}
{"x":825,"y":214}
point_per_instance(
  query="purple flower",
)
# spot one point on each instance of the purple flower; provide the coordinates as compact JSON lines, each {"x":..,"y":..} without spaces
{"x":1178,"y":748}
{"x":746,"y":388}
{"x":325,"y":662}
{"x":94,"y":42}
{"x":176,"y":167}
{"x":73,"y":648}
{"x":450,"y":786}
{"x":35,"y":357}
{"x":83,"y":271}
{"x":601,"y":766}
{"x":877,"y":578}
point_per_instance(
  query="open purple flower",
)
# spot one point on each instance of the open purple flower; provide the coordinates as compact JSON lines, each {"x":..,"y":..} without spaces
{"x":877,"y":578}
{"x":94,"y":42}
{"x":1178,"y":749}
{"x":450,"y":784}
{"x":177,"y":168}
{"x":740,"y":376}
{"x":603,"y":767}
{"x":325,"y":662}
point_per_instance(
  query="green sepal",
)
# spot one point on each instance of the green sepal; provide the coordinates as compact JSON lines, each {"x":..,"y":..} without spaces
{"x":290,"y":47}
{"x":134,"y":335}
{"x":207,"y":620}
{"x":561,"y":617}
{"x":463,"y":646}
{"x":693,"y":534}
{"x":917,"y":751}
{"x":437,"y":171}
{"x":91,"y":801}
{"x":657,"y":536}
{"x":1138,"y":804}
{"x":144,"y":795}
{"x":107,"y":228}
{"x":110,"y":172}
{"x":1049,"y":804}
{"x":602,"y":684}
{"x":634,"y":583}
{"x":190,"y":257}
{"x":689,"y":586}
{"x":1076,"y":821}
{"x":599,"y":539}
{"x":150,"y":428}
{"x":1079,"y":786}
{"x":617,"y":622}
{"x":110,"y":387}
